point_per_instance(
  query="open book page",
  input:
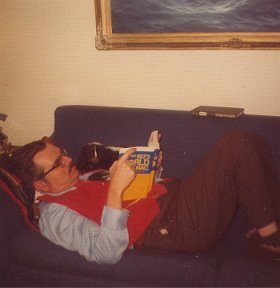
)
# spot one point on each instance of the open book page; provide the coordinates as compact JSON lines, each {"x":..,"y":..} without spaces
{"x":153,"y":141}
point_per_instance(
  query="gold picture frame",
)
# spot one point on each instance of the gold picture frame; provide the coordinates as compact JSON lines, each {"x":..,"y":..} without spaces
{"x":107,"y":40}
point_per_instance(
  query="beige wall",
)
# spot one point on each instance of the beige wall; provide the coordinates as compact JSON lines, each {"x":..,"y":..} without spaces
{"x":49,"y":59}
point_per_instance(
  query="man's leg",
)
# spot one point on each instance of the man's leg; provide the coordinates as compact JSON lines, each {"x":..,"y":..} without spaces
{"x":239,"y":169}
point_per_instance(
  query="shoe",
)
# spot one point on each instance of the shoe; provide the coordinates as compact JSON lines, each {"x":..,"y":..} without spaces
{"x":266,"y":248}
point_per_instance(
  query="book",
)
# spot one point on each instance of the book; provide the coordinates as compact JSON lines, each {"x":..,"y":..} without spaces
{"x":144,"y":160}
{"x":217,"y":111}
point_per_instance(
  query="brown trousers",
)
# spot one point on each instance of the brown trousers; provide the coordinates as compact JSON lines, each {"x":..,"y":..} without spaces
{"x":196,"y":213}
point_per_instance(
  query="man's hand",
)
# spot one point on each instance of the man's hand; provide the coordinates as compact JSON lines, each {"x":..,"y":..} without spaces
{"x":122,"y":173}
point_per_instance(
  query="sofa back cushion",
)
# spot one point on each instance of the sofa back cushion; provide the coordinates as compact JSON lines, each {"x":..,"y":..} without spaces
{"x":186,"y":138}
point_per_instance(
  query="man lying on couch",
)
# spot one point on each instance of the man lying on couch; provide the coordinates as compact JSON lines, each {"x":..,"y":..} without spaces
{"x":91,"y":218}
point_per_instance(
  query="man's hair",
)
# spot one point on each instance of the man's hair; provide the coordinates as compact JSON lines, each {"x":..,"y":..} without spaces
{"x":21,"y":163}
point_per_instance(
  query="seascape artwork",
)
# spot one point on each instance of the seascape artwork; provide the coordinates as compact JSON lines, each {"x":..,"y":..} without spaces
{"x":168,"y":16}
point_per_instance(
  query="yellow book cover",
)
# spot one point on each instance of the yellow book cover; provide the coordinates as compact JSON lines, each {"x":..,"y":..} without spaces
{"x":145,"y":163}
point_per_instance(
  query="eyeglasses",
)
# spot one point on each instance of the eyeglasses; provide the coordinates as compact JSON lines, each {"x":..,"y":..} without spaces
{"x":56,"y":164}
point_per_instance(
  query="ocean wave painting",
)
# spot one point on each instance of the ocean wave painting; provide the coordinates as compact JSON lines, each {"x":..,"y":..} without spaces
{"x":168,"y":16}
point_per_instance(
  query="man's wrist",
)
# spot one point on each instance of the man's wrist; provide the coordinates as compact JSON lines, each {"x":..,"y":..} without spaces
{"x":114,"y":218}
{"x":114,"y":199}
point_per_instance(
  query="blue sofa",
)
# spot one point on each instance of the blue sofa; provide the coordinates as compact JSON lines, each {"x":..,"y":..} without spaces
{"x":27,"y":259}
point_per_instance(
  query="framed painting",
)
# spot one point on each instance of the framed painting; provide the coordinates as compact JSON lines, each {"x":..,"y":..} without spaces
{"x":187,"y":24}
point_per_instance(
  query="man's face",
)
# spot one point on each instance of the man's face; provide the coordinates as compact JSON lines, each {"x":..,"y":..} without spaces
{"x":59,"y":172}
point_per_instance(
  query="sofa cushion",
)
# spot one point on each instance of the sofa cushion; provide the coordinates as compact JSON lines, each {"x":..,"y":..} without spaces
{"x":136,"y":267}
{"x":247,"y":271}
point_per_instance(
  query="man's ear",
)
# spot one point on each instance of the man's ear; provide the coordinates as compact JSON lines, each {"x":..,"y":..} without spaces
{"x":41,"y":185}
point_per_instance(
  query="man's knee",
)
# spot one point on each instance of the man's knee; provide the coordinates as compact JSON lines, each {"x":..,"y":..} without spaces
{"x":244,"y":137}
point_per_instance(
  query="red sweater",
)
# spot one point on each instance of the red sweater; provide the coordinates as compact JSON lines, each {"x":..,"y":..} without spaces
{"x":90,"y":197}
